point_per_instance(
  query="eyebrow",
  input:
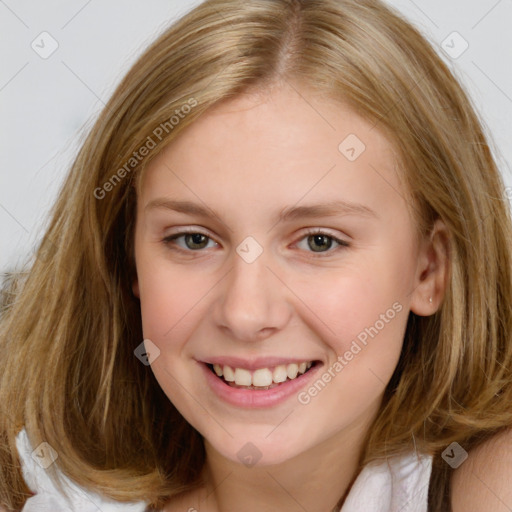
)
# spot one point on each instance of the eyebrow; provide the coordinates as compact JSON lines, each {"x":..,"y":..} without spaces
{"x":327,"y":209}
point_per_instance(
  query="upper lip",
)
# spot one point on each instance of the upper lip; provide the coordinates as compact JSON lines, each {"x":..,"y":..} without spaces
{"x":254,"y":364}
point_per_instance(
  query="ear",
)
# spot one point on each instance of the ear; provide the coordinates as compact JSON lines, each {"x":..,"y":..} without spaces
{"x":432,"y":271}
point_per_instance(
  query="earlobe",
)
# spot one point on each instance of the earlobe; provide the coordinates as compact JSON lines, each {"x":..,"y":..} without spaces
{"x":432,"y":271}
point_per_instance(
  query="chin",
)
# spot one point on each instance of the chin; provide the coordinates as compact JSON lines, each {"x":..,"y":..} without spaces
{"x":259,"y":450}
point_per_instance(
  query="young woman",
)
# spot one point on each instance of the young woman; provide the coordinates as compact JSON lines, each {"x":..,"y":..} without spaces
{"x":277,"y":277}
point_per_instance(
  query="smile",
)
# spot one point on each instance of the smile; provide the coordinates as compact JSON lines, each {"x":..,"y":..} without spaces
{"x":258,"y":383}
{"x":261,"y":378}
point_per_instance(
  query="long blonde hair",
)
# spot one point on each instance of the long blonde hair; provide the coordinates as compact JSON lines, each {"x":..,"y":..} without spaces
{"x":68,"y":370}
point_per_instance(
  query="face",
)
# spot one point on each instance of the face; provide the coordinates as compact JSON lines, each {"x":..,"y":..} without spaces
{"x":267,"y":236}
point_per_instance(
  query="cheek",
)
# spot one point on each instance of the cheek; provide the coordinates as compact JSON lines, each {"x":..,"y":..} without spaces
{"x":170,"y":297}
{"x":363,"y":324}
{"x":361,"y":315}
{"x":342,"y":304}
{"x":170,"y":307}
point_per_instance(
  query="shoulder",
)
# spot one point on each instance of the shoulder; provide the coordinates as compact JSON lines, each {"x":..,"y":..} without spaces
{"x":483,"y":481}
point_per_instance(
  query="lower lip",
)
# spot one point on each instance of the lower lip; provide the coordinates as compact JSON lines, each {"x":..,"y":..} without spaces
{"x":254,"y":398}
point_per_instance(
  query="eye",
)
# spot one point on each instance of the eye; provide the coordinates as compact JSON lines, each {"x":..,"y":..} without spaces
{"x":321,"y":242}
{"x":193,"y":241}
{"x":317,"y":241}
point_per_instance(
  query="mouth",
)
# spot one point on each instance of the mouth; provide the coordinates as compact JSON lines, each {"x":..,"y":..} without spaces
{"x":261,"y":379}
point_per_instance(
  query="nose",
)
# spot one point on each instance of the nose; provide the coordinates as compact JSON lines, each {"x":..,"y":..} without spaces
{"x":252,"y":303}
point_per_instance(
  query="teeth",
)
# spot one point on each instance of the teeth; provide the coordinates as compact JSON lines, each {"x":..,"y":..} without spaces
{"x":262,"y":377}
{"x":228,"y":374}
{"x":243,"y":377}
{"x":292,"y":370}
{"x":280,"y":374}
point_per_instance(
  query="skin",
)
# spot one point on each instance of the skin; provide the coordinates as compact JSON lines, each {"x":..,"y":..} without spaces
{"x":482,"y":481}
{"x":247,"y":159}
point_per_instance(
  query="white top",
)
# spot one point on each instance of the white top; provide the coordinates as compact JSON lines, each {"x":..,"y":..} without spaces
{"x":399,"y":484}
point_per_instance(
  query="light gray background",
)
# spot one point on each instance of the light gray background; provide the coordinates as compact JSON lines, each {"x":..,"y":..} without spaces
{"x":47,"y":104}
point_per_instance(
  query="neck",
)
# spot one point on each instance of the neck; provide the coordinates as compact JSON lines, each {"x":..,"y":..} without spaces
{"x":318,"y":479}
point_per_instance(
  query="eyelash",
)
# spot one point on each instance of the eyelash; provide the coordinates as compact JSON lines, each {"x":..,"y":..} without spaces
{"x":168,"y":241}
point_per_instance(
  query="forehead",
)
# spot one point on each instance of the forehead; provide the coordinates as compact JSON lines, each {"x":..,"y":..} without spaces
{"x":281,"y":145}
